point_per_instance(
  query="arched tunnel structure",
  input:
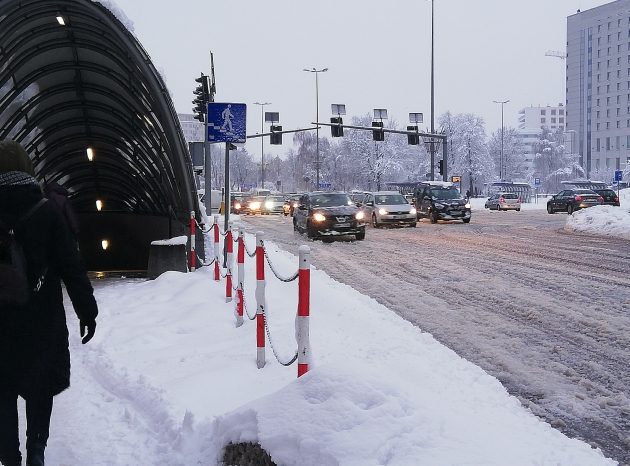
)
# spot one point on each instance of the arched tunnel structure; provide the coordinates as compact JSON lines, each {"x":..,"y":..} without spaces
{"x":74,"y":81}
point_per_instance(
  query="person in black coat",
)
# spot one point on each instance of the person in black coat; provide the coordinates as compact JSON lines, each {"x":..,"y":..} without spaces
{"x":34,"y":353}
{"x":59,"y":195}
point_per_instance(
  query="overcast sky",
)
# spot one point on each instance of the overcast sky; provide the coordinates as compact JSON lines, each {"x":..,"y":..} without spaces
{"x":377,"y":53}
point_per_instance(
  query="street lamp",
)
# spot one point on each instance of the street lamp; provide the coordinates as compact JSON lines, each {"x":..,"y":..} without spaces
{"x":262,"y":140}
{"x":502,"y":102}
{"x":316,"y":71}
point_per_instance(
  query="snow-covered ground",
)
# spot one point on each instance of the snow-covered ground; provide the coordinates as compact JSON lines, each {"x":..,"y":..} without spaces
{"x":169,"y":380}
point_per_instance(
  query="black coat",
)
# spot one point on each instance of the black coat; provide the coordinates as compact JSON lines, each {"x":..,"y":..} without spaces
{"x":34,"y":355}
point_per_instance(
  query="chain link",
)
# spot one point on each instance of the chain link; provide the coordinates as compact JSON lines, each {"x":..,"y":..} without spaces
{"x":282,"y":279}
{"x":245,"y":306}
{"x":201,"y":228}
{"x":273,"y":348}
{"x":250,"y":254}
{"x":203,"y":264}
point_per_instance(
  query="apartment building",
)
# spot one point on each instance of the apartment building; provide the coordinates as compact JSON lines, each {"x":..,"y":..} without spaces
{"x":598,"y":87}
{"x":531,"y":120}
{"x":193,"y":129}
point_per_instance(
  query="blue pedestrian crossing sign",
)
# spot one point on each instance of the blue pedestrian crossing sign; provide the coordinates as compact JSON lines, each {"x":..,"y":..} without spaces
{"x":227,"y":122}
{"x":618,"y":175}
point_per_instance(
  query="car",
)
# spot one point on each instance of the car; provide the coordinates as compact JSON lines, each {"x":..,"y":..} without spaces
{"x":273,"y":204}
{"x":327,"y":215}
{"x":504,"y":201}
{"x":609,"y":195}
{"x":441,"y":200}
{"x":571,"y":200}
{"x":237,"y":202}
{"x":388,"y":208}
{"x":357,"y":197}
{"x":252,"y":205}
{"x":290,"y":204}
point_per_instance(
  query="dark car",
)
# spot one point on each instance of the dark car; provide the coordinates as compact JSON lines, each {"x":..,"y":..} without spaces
{"x":571,"y":200}
{"x":237,"y":202}
{"x":290,"y":204}
{"x":609,"y":195}
{"x":326,"y":215}
{"x":437,"y":200}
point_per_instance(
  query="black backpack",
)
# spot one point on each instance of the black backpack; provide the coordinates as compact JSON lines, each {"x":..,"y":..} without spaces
{"x":14,"y":286}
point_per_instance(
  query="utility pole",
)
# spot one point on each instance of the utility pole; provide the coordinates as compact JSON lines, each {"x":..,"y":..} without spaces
{"x":432,"y":92}
{"x":316,"y":71}
{"x":262,"y":141}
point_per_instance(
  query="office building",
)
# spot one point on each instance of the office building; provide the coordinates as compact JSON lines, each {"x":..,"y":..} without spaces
{"x":598,"y":87}
{"x":531,"y":120}
{"x":193,"y":129}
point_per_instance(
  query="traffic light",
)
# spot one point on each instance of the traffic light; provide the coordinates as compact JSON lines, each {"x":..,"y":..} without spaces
{"x":413,"y":139}
{"x":441,"y":166}
{"x":202,"y":97}
{"x":336,"y":131}
{"x":378,"y":134}
{"x":275,"y":139}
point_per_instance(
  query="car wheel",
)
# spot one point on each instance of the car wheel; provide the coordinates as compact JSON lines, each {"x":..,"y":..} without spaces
{"x":466,"y":220}
{"x":310,"y":231}
{"x":360,"y":236}
{"x":518,"y":210}
{"x":434,"y":217}
{"x":550,"y":209}
{"x":374,"y":221}
{"x":570,"y":209}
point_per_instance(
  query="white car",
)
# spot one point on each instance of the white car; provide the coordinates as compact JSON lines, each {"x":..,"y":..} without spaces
{"x":388,"y":208}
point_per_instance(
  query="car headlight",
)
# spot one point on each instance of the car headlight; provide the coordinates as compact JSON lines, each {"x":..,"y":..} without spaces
{"x":382,"y":211}
{"x":268,"y":204}
{"x":413,"y":211}
{"x":319,"y":217}
{"x":237,"y":205}
{"x":359,"y":215}
{"x":467,"y":205}
{"x":295,"y":204}
{"x":439,"y":206}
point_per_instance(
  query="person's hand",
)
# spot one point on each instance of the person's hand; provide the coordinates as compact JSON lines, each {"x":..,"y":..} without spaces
{"x":87,"y":329}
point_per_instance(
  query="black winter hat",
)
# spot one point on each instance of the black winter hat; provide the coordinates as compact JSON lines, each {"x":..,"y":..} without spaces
{"x":13,"y":157}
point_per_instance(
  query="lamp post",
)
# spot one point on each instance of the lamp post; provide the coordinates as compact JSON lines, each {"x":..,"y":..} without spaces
{"x":502,"y":102}
{"x":432,"y":96}
{"x":262,"y":140}
{"x":316,"y":71}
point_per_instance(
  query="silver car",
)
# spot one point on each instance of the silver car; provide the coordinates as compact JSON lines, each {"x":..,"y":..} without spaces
{"x":388,"y":208}
{"x":504,"y":201}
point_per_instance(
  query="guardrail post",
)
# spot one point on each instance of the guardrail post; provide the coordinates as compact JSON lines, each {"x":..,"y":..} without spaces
{"x":228,"y":263}
{"x":240,"y":260}
{"x":260,"y":300}
{"x":301,"y":323}
{"x":217,"y":273}
{"x":193,"y":228}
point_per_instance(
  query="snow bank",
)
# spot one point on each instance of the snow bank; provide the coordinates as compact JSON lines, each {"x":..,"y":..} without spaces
{"x":602,"y":220}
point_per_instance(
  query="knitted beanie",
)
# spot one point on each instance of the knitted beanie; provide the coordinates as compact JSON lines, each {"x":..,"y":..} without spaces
{"x":13,"y":157}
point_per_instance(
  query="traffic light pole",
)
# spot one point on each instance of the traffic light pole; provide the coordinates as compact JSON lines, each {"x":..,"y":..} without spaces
{"x":207,"y":171}
{"x":227,"y":204}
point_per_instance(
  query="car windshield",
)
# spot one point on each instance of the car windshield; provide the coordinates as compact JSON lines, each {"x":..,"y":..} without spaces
{"x":330,"y":200}
{"x":509,"y":196}
{"x":389,"y":199}
{"x":275,"y":198}
{"x":606,"y":193}
{"x":583,"y":191}
{"x":445,"y":193}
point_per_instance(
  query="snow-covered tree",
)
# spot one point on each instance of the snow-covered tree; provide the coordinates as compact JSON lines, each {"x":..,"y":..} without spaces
{"x":467,"y":149}
{"x":514,"y":166}
{"x":552,"y":163}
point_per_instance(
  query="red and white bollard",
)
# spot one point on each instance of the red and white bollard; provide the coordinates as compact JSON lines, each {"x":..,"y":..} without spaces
{"x":301,"y":320}
{"x":217,"y":272}
{"x":193,"y":228}
{"x":228,"y":263}
{"x":261,"y":305}
{"x":240,"y":264}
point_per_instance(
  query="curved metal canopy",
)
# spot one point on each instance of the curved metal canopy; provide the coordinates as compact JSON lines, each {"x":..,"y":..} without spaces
{"x":72,"y":77}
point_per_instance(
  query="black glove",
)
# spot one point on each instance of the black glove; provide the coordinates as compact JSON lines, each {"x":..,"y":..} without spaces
{"x":87,"y":329}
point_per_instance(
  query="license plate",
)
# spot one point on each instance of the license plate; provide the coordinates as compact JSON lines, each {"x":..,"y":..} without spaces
{"x":398,"y":216}
{"x":342,"y":225}
{"x":456,"y":212}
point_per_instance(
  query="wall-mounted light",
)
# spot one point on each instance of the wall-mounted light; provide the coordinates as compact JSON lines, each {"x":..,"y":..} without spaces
{"x":99,"y":205}
{"x":105,"y":244}
{"x":90,"y":153}
{"x":61,"y":20}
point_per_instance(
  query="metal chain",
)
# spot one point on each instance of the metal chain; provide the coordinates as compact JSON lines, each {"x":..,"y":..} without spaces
{"x":245,"y":306}
{"x":250,"y":254}
{"x":203,"y":264}
{"x":226,"y":273}
{"x":201,"y":228}
{"x":273,"y":348}
{"x":282,"y":279}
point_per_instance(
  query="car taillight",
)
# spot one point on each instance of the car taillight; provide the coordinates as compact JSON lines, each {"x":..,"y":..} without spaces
{"x":578,"y":198}
{"x":600,"y":200}
{"x":616,"y":200}
{"x":501,"y":200}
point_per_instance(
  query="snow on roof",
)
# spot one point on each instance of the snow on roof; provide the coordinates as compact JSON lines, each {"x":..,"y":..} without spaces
{"x":117,"y":12}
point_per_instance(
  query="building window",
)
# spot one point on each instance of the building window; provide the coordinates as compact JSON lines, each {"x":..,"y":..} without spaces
{"x":597,"y":114}
{"x":599,"y":28}
{"x":607,"y":162}
{"x":608,"y":143}
{"x":597,"y":126}
{"x":542,"y":120}
{"x":617,"y":165}
{"x":561,"y":112}
{"x":618,"y":142}
{"x":597,"y":164}
{"x":618,"y":124}
{"x":553,"y":120}
{"x":628,"y":139}
{"x":607,"y":100}
{"x":607,"y":113}
{"x":608,"y":125}
{"x":618,"y":86}
{"x":618,"y":111}
{"x":599,"y":40}
{"x":561,"y":128}
{"x":597,"y":145}
{"x":618,"y":99}
{"x":553,"y":111}
{"x":607,"y":88}
{"x":618,"y":48}
{"x":543,"y":112}
{"x":598,"y":102}
{"x":561,"y":120}
{"x":619,"y":73}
